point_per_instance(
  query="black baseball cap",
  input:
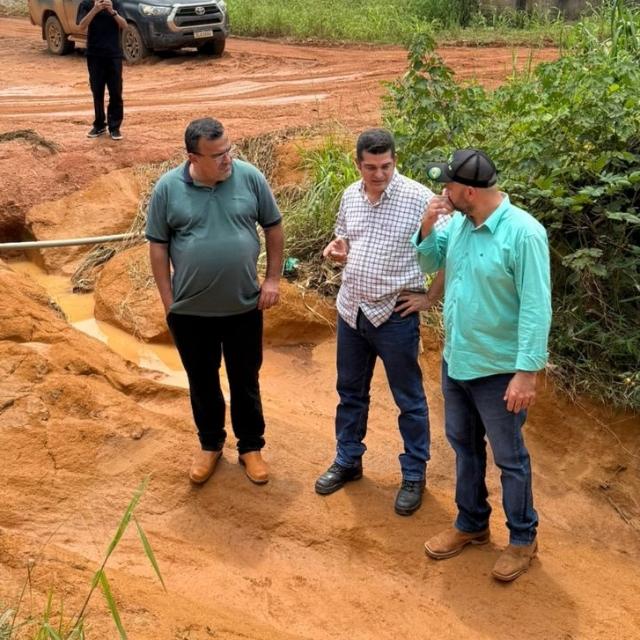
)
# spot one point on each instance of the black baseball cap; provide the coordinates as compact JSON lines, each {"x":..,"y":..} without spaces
{"x":467,"y":166}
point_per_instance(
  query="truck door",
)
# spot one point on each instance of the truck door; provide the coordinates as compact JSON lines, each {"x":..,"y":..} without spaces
{"x":70,"y":14}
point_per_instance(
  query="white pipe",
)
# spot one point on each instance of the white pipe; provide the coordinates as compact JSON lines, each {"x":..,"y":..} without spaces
{"x":45,"y":244}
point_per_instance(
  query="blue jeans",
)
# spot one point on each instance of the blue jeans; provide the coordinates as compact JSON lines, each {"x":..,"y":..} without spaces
{"x":473,"y":409}
{"x":396,"y":342}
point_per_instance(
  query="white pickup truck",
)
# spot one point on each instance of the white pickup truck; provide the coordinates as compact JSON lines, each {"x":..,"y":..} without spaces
{"x":155,"y":25}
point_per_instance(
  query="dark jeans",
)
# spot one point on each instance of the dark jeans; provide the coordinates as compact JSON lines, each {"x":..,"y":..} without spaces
{"x":396,"y":342}
{"x":473,"y":409}
{"x":201,"y":342}
{"x":106,"y":72}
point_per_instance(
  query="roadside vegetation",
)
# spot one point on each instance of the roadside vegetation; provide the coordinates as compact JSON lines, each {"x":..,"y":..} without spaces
{"x":394,"y":21}
{"x":382,"y":21}
{"x":566,"y":138}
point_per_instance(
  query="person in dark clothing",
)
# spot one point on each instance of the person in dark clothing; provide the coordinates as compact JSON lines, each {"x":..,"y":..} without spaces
{"x":103,"y":22}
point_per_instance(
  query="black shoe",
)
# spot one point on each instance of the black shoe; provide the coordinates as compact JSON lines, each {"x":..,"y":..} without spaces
{"x":115,"y":134}
{"x":96,"y":131}
{"x":409,"y":497}
{"x":335,"y":477}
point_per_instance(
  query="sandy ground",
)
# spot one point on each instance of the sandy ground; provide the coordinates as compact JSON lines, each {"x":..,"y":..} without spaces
{"x":79,"y":427}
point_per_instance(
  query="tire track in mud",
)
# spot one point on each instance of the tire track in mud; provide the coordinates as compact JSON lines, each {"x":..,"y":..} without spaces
{"x":254,"y":73}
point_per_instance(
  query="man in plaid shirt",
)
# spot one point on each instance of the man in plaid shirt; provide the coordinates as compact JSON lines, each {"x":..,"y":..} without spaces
{"x":381,"y":294}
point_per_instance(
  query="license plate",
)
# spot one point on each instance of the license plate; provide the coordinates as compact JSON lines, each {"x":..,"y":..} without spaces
{"x":207,"y":33}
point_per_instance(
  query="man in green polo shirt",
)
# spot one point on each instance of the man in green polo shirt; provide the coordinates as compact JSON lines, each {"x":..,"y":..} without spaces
{"x":202,"y":222}
{"x":497,"y":314}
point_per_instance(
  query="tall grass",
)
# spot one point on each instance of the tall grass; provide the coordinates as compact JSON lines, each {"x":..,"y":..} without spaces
{"x":13,"y":8}
{"x":52,"y":624}
{"x":310,"y":211}
{"x":311,"y":219}
{"x":330,"y":20}
{"x":393,"y":21}
{"x":614,"y":25}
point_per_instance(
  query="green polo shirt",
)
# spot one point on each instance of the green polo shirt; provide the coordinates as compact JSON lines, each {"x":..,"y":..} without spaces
{"x":497,"y":303}
{"x":212,"y":237}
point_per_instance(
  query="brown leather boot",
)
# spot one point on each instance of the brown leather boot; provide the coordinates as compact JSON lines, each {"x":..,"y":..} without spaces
{"x":203,"y":465}
{"x":255,"y":467}
{"x":514,"y":561}
{"x":452,"y":541}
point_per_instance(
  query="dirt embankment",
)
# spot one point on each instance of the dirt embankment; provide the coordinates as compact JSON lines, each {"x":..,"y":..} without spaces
{"x":80,"y":427}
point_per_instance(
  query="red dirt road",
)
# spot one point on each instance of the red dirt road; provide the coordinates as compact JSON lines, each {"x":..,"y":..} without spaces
{"x":256,"y":87}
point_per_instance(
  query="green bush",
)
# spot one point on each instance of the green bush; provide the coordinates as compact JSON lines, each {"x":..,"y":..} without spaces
{"x":566,"y":139}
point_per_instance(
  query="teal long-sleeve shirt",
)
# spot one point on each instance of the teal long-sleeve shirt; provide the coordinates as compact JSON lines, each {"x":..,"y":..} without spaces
{"x":497,"y":302}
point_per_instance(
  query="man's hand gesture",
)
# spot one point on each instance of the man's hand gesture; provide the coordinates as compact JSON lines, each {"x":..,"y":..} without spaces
{"x":337,"y":250}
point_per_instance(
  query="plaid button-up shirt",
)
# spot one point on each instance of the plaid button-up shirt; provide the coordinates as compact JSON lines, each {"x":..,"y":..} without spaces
{"x":381,"y":260}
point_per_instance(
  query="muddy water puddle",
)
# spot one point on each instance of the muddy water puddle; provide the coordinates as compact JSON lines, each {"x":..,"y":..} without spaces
{"x":78,"y":307}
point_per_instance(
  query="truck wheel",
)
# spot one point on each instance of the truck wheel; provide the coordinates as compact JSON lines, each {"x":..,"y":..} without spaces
{"x":213,"y":47}
{"x":133,"y":46}
{"x":57,"y":41}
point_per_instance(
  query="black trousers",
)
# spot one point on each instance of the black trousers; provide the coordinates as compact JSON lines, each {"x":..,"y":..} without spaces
{"x":106,"y":72}
{"x":201,"y":342}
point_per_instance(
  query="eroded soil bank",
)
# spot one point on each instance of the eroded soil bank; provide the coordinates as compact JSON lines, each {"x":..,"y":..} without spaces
{"x":80,"y":428}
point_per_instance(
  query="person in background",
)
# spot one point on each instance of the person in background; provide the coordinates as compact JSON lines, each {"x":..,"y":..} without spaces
{"x":102,"y":21}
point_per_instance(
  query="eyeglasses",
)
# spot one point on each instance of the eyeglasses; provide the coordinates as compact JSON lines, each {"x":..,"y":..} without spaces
{"x":214,"y":156}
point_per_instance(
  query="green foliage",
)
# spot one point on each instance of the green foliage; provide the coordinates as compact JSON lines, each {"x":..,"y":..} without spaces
{"x":458,"y":13}
{"x":331,"y":20}
{"x":390,"y":21}
{"x":566,"y":138}
{"x":613,"y":26}
{"x":44,"y":627}
{"x":536,"y":18}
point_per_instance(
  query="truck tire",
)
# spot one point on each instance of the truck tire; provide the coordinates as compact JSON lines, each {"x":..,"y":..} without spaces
{"x":133,"y":46}
{"x":213,"y":47}
{"x":57,"y":41}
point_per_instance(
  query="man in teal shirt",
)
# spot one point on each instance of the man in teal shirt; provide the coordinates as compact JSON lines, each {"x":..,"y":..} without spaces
{"x":202,"y":221}
{"x":497,"y":314}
